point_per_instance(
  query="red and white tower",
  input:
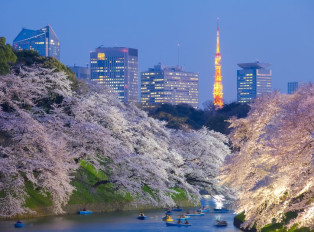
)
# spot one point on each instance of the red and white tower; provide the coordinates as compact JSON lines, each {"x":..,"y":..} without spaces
{"x":217,"y":91}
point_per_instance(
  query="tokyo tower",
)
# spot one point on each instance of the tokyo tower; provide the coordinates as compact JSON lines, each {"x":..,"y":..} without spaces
{"x":217,"y":91}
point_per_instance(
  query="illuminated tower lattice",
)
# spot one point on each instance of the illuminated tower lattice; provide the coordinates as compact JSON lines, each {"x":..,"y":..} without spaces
{"x":217,"y":91}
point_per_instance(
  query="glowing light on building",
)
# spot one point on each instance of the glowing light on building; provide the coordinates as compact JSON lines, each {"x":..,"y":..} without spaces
{"x":217,"y":91}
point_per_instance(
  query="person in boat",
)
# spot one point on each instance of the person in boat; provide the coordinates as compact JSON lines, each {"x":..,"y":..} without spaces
{"x":18,"y":221}
{"x":203,"y":207}
{"x":186,"y":222}
{"x":84,"y":209}
{"x":141,"y":214}
{"x":179,"y":221}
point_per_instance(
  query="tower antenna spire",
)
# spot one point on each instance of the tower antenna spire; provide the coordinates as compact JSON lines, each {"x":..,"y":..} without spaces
{"x":178,"y":45}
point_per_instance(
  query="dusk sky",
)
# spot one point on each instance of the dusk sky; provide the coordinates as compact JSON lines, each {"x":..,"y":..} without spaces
{"x":278,"y":32}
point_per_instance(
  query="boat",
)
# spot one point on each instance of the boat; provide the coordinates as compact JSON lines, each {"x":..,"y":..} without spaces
{"x":195,"y":214}
{"x":167,"y":219}
{"x":84,"y":212}
{"x":221,"y":210}
{"x":177,"y":224}
{"x":221,"y":223}
{"x":203,"y":210}
{"x":168,"y":212}
{"x":19,"y":224}
{"x":177,"y":209}
{"x":141,"y":217}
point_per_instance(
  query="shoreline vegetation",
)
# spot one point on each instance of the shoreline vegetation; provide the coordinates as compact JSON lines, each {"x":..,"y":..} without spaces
{"x":91,"y":195}
{"x":65,"y":142}
{"x":272,"y":227}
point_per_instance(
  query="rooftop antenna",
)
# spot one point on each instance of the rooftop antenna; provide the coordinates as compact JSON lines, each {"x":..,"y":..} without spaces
{"x":160,"y":60}
{"x":178,"y":45}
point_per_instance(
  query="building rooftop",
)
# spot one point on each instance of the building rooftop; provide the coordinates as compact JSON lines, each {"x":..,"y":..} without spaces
{"x":26,"y":34}
{"x":254,"y":65}
{"x":160,"y":67}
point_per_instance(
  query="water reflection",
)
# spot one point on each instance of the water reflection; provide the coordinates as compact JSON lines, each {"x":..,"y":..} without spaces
{"x":122,"y":221}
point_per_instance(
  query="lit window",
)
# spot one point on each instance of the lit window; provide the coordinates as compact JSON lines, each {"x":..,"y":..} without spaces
{"x":101,"y":56}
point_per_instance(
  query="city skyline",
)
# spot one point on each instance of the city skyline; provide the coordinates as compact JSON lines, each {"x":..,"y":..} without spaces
{"x":253,"y":80}
{"x":279,"y":34}
{"x":168,"y":84}
{"x":116,"y":67}
{"x":43,"y":40}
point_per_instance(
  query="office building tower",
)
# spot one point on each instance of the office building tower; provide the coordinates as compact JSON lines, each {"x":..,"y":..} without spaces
{"x":168,"y":84}
{"x":253,"y":80}
{"x":44,"y":41}
{"x":293,"y":86}
{"x":82,"y":73}
{"x":218,"y":89}
{"x":116,"y":67}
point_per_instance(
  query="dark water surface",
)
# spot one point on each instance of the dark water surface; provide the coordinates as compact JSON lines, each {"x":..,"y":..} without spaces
{"x":120,"y":221}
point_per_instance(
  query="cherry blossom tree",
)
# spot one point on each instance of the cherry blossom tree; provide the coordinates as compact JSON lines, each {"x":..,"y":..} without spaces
{"x":49,"y":128}
{"x":272,"y":166}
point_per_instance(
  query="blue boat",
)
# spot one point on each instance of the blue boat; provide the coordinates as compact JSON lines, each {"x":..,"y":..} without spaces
{"x":168,"y":212}
{"x":196,"y":214}
{"x":84,"y":212}
{"x":19,"y":224}
{"x":177,"y":224}
{"x":221,"y":210}
{"x":141,"y":217}
{"x":177,"y":209}
{"x":203,"y":210}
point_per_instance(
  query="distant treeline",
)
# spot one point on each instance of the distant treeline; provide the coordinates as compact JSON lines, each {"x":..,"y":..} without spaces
{"x":184,"y":116}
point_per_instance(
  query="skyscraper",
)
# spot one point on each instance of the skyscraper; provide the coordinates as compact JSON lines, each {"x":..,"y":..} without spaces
{"x":44,"y":41}
{"x":82,"y":73}
{"x":116,"y":67}
{"x":253,"y":80}
{"x":168,"y":84}
{"x":218,"y":90}
{"x":293,"y":86}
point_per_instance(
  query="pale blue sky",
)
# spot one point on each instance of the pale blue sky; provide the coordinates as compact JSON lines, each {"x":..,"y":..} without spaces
{"x":280,"y":32}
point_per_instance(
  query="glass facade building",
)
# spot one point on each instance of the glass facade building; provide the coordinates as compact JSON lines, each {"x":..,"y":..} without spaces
{"x":168,"y":84}
{"x":82,"y":73}
{"x":293,"y":86}
{"x":44,"y":41}
{"x":253,"y":80}
{"x":116,"y":67}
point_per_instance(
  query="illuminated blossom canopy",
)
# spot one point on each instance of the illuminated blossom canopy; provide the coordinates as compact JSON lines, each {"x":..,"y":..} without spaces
{"x":46,"y":129}
{"x":272,"y":167}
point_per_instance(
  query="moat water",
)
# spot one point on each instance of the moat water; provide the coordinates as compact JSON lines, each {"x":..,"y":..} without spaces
{"x":121,"y":221}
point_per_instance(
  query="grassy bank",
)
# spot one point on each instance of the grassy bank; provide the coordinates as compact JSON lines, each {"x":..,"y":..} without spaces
{"x":273,"y":227}
{"x":94,"y":192}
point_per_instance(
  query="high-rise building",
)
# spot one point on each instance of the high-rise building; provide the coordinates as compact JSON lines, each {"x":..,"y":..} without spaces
{"x":44,"y":41}
{"x":82,"y":73}
{"x":116,"y":67}
{"x":253,"y":80}
{"x":218,"y":90}
{"x":293,"y":86}
{"x":168,"y":84}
